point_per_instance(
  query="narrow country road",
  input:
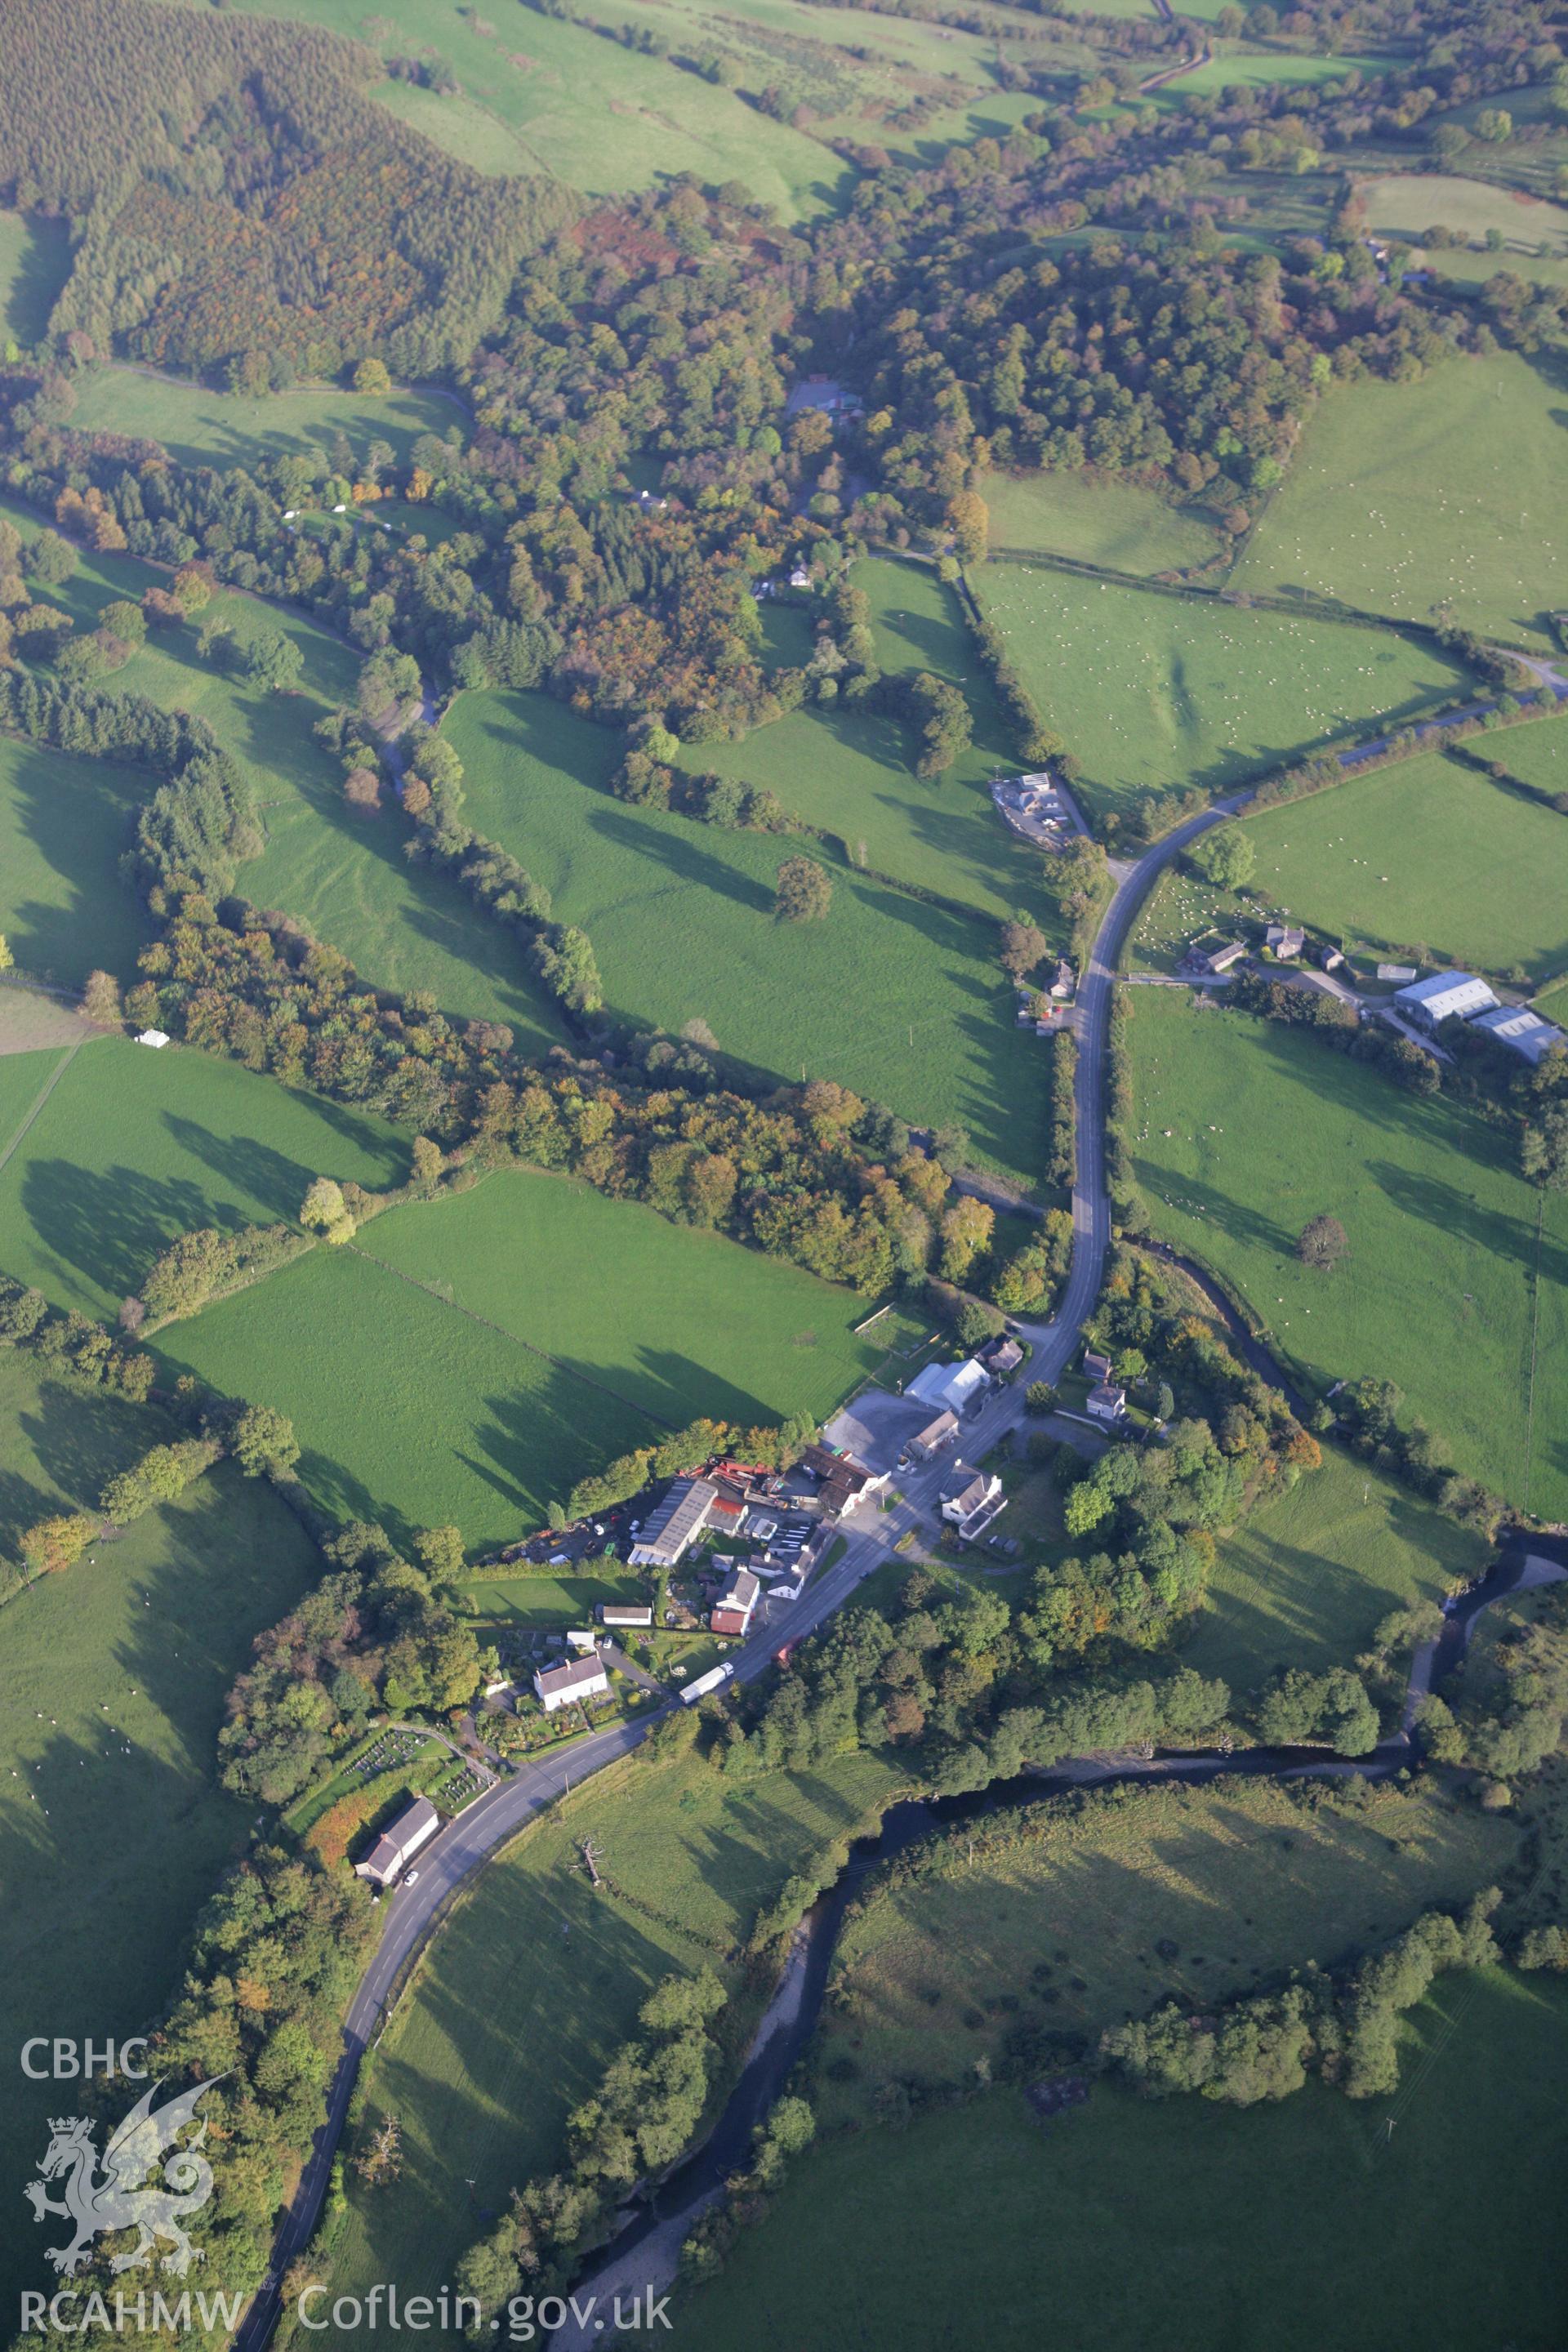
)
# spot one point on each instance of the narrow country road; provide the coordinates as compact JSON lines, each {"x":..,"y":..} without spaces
{"x":467,"y":1844}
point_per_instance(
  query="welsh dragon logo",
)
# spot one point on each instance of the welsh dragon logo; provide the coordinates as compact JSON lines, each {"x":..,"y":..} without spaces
{"x":122,"y":2198}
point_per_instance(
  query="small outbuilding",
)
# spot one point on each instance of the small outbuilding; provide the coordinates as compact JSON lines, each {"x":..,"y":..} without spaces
{"x":153,"y":1037}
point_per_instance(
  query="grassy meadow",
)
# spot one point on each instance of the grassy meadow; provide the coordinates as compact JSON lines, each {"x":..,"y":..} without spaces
{"x":1110,"y":524}
{"x":34,"y":259}
{"x":133,"y":1146}
{"x":677,"y":1321}
{"x":199,"y":427}
{"x":407,"y":1411}
{"x":64,"y":825}
{"x":1086,"y":1911}
{"x":899,"y":1000}
{"x":1306,"y":1579}
{"x":541,"y":94}
{"x":1534,"y":233}
{"x":340,"y":873}
{"x":1150,"y":689}
{"x":1457,"y":1272}
{"x":537,"y":1979}
{"x":1533,"y":756}
{"x":106,"y":1856}
{"x":469,"y":1361}
{"x":851,"y":770}
{"x":550,"y":1600}
{"x":1403,"y":497}
{"x":1432,"y":853}
{"x":1186,"y":2224}
{"x":1257,"y":70}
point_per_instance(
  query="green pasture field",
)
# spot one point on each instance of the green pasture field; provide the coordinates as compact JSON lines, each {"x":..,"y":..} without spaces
{"x":29,"y":1021}
{"x":1185,"y":2224}
{"x":134,"y":1146}
{"x":1531,"y":158}
{"x":1279,"y":204}
{"x":468,"y":1361}
{"x":407,"y":1411}
{"x":1057,"y":1930}
{"x":34,"y":260}
{"x":340,"y":874}
{"x":1261,"y":68}
{"x":1035,"y":1512}
{"x":1553,"y":1004}
{"x":106,"y":1857}
{"x":64,"y":823}
{"x":1535,"y":232}
{"x":538,"y":1978}
{"x":851,"y":770}
{"x":856,"y":70}
{"x":899,"y":1000}
{"x":1406,"y":496}
{"x":538,"y":94}
{"x":1457,"y":1270}
{"x":1536,"y":756}
{"x":1152,"y":690}
{"x":550,"y":1600}
{"x":199,"y":427}
{"x":1431,"y":853}
{"x":1307,"y":1579}
{"x":1180,"y":908}
{"x":1110,"y":523}
{"x":679,"y":1323}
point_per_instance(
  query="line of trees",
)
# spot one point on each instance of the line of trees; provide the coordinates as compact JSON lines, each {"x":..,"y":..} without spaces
{"x":1062,"y":1163}
{"x":1343,"y":2029}
{"x":815,"y":1174}
{"x":200,"y":1266}
{"x":765,"y":1446}
{"x":64,"y":1340}
{"x":645,"y":2109}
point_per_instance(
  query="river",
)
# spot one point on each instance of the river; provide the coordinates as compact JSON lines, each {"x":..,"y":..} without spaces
{"x":645,"y":2254}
